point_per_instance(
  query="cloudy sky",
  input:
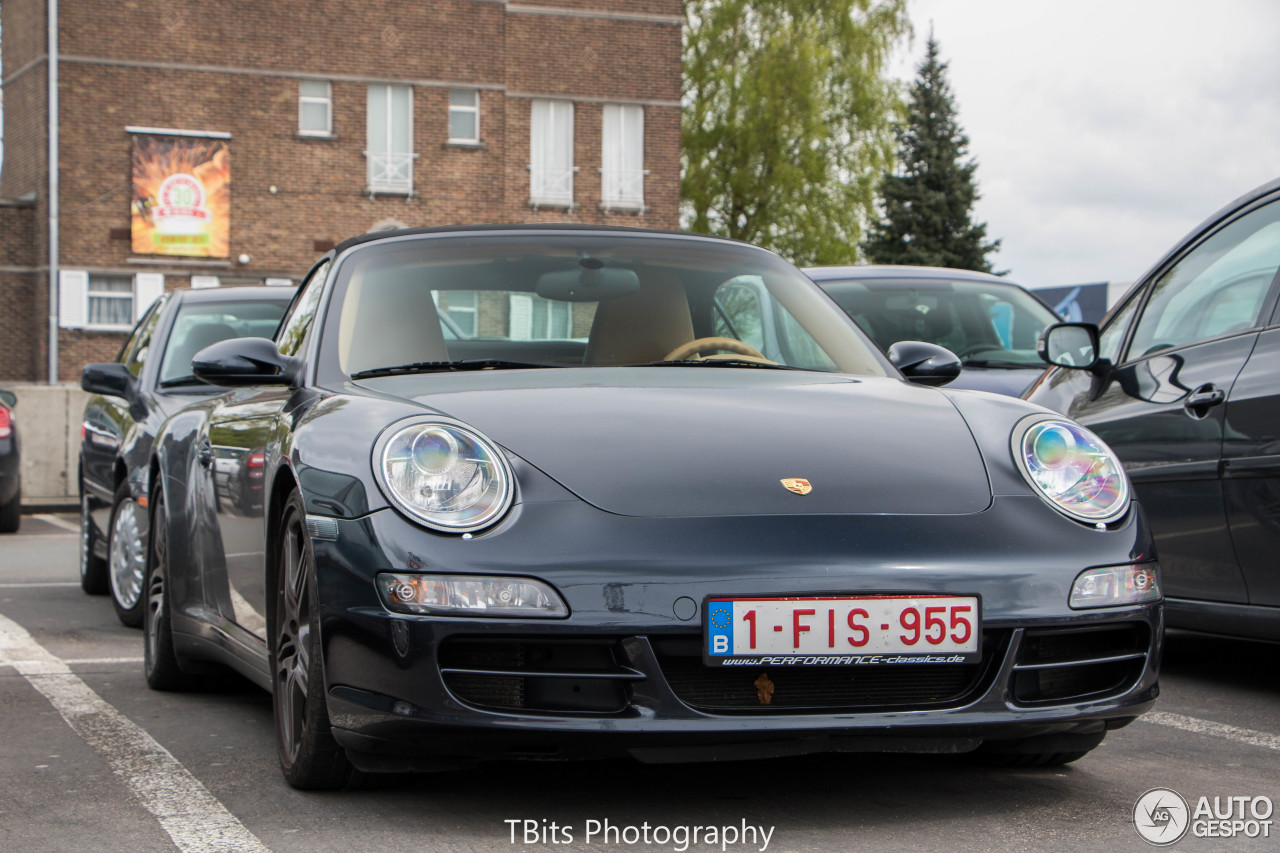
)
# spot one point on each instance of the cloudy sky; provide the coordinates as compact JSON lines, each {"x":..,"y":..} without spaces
{"x":1105,"y":131}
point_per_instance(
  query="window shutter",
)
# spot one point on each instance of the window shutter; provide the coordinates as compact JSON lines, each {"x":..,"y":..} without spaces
{"x":521,"y":319}
{"x":632,"y":159}
{"x":611,"y":152}
{"x":147,"y":288}
{"x":73,"y":299}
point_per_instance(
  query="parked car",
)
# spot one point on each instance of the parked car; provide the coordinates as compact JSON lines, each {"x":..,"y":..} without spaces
{"x":668,"y":545}
{"x":991,"y":324}
{"x":10,"y":466}
{"x":1182,"y":382}
{"x":133,"y":395}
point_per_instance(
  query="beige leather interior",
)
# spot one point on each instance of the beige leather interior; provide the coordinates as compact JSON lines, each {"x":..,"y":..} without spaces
{"x":642,"y":326}
{"x":398,"y":325}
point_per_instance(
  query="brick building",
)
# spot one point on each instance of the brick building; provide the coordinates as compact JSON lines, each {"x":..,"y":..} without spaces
{"x":327,"y":118}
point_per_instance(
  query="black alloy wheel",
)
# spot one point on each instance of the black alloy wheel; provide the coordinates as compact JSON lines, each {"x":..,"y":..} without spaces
{"x":309,"y":756}
{"x":159,"y":660}
{"x":93,"y":569}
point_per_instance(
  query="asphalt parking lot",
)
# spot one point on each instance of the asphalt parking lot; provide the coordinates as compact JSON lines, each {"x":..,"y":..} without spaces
{"x":93,"y":760}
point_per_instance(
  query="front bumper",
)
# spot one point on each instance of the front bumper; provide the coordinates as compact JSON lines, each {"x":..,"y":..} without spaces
{"x":410,"y":691}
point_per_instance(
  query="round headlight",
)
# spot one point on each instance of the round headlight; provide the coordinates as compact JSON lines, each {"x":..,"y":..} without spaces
{"x":446,"y":476}
{"x":1073,"y":469}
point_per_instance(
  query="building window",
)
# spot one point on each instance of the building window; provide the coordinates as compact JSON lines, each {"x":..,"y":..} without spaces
{"x":390,"y":153}
{"x":464,"y":116}
{"x":111,"y":300}
{"x":315,"y":108}
{"x":104,"y":301}
{"x":461,"y":307}
{"x":622,"y":148}
{"x":533,"y":318}
{"x":551,"y":153}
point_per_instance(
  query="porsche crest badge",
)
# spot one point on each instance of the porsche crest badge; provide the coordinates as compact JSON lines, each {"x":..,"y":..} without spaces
{"x":799,"y":485}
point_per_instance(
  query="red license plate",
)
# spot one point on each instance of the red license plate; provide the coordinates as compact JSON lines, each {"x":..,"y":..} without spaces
{"x":842,"y":629}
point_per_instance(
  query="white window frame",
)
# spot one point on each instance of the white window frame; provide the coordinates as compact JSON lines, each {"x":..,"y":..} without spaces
{"x":327,"y":100}
{"x":381,"y":164}
{"x":75,"y":292}
{"x":622,"y":187}
{"x":550,"y":184}
{"x":474,"y":109}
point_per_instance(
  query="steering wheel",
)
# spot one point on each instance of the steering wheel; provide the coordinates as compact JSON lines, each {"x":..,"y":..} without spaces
{"x":695,"y":348}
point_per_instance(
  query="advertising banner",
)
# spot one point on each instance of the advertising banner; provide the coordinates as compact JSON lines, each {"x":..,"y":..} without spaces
{"x":181,"y":196}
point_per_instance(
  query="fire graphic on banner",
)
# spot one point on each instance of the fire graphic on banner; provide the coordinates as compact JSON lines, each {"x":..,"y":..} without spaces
{"x":181,"y":196}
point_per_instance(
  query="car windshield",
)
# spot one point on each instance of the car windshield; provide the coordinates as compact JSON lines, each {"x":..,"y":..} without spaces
{"x":199,"y":325}
{"x":488,"y":301}
{"x":985,"y":324}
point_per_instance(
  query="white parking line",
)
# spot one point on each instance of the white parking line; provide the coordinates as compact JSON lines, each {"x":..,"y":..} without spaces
{"x":37,"y":584}
{"x":99,"y":661}
{"x":1206,"y":727}
{"x":193,"y":818}
{"x":58,"y":522}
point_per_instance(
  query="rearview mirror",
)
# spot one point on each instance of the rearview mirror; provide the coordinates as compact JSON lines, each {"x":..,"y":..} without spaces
{"x":591,"y":283}
{"x":243,"y":361}
{"x":9,"y":398}
{"x":1069,"y":345}
{"x":925,"y":363}
{"x":111,"y":379}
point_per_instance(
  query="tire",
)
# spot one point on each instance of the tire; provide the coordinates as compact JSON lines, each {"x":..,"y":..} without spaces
{"x":159,"y":660}
{"x":11,"y":512}
{"x":127,"y":557}
{"x":93,"y":569}
{"x":310,"y":758}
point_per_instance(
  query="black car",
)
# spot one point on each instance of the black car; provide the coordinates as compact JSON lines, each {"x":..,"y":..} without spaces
{"x":586,"y":521}
{"x":133,"y":395}
{"x":10,"y":466}
{"x":991,"y":324}
{"x":1183,"y":382}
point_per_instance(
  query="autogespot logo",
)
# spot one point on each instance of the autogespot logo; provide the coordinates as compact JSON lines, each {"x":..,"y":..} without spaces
{"x":1161,"y":816}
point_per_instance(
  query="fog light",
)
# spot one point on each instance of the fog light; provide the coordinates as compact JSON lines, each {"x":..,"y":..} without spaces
{"x":470,"y":595}
{"x":1114,"y":586}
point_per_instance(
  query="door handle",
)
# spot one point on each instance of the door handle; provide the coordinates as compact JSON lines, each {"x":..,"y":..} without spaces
{"x":1201,"y":400}
{"x":205,"y":456}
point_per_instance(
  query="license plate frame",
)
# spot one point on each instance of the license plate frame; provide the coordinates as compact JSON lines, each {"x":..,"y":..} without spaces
{"x":832,"y":624}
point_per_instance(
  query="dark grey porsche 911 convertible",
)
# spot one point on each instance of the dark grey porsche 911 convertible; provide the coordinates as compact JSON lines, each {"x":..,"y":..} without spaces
{"x":528,"y":494}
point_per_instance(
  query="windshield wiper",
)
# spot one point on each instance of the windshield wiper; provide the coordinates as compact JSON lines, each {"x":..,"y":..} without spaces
{"x":448,"y":366}
{"x":718,"y":362}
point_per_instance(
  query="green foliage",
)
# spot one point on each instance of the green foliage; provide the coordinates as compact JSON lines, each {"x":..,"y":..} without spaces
{"x":788,"y":120}
{"x":928,"y":201}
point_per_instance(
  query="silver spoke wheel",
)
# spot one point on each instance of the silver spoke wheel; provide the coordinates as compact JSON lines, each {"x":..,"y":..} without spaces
{"x":128,"y":557}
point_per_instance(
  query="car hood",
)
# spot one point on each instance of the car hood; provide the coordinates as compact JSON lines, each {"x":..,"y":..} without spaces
{"x":1010,"y":381}
{"x":716,"y":441}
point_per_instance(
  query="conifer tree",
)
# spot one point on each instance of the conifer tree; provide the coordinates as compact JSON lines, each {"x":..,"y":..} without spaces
{"x":927,"y":201}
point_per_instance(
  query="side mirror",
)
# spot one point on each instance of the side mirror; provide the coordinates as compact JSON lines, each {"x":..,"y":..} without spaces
{"x":9,"y":398}
{"x":110,"y":378}
{"x":243,"y":361}
{"x":925,"y":363}
{"x":1070,"y":345}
